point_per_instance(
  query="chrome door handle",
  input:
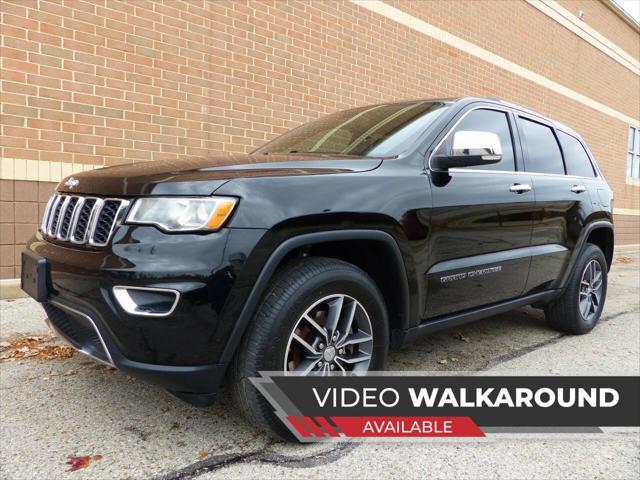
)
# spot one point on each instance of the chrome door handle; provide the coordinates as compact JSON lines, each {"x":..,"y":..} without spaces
{"x":578,"y":188}
{"x":520,"y":188}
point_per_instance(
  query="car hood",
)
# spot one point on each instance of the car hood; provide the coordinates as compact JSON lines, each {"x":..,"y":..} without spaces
{"x":204,"y":176}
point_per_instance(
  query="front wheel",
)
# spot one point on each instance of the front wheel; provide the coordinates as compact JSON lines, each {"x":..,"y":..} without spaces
{"x":579,"y":307}
{"x":320,"y":315}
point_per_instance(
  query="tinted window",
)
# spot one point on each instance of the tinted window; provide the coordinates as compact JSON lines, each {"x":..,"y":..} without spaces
{"x":544,"y":152}
{"x":379,"y":130}
{"x":493,"y":122}
{"x":575,"y":157}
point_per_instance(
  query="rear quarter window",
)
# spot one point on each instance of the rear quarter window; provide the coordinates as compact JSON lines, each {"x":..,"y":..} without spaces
{"x":542,"y":147}
{"x":575,"y":156}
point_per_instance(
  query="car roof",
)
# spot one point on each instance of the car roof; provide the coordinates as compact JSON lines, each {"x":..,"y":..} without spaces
{"x":462,"y":101}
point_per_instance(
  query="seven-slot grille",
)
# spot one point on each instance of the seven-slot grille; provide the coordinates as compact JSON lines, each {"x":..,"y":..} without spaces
{"x":80,"y":219}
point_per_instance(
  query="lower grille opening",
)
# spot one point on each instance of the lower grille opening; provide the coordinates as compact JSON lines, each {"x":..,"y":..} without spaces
{"x":78,"y":331}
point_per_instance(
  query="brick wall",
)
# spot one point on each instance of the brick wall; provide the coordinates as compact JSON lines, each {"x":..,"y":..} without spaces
{"x":22,"y":205}
{"x":598,"y":16}
{"x":92,"y":83}
{"x":627,"y":229}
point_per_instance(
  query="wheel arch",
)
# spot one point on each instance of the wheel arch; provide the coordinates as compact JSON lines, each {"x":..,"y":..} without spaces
{"x":599,"y":233}
{"x":603,"y":238}
{"x":324,"y":244}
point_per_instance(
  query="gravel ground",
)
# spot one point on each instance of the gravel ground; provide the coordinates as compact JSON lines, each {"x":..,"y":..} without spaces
{"x":50,"y":409}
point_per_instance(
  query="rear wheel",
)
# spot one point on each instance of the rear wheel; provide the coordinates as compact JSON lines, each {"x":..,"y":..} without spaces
{"x":579,"y":307}
{"x":319,"y":315}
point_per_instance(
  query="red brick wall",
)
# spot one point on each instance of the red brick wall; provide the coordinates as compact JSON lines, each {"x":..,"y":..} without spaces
{"x":105,"y":82}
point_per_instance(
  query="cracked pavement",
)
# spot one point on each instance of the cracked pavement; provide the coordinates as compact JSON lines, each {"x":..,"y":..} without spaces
{"x":50,"y":409}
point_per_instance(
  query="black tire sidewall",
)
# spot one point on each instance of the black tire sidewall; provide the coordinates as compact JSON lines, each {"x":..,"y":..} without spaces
{"x":564,"y":313}
{"x":337,"y":282}
{"x":591,"y":253}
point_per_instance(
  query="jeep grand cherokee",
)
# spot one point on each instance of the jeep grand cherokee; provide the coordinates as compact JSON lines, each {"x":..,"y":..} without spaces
{"x":351,"y":234}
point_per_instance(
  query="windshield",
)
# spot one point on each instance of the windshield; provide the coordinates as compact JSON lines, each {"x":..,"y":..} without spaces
{"x":375,"y":131}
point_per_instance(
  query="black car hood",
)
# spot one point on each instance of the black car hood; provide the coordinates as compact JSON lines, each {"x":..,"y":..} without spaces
{"x":204,"y":176}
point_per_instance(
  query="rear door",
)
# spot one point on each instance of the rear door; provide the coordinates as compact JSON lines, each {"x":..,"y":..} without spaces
{"x":481,"y":223}
{"x":562,"y":201}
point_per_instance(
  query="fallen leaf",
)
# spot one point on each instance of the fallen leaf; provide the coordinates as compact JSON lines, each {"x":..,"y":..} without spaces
{"x":78,"y":463}
{"x":203,"y":454}
{"x":164,"y":407}
{"x":623,"y":259}
{"x":34,"y":347}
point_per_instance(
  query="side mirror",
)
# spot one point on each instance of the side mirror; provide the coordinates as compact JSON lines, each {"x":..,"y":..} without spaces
{"x":469,"y":148}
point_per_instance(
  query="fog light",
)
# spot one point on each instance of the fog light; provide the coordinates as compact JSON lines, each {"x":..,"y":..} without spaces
{"x":147,"y":301}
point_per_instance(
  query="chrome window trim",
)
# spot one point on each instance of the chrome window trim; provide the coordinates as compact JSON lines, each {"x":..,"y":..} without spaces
{"x":517,"y":113}
{"x":453,"y":127}
{"x":95,"y":327}
{"x":517,"y":172}
{"x":130,"y":306}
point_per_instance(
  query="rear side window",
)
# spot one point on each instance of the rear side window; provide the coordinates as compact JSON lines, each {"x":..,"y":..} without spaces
{"x":543,"y":148}
{"x":575,"y":157}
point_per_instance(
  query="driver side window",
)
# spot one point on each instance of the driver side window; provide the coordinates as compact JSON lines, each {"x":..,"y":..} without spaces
{"x":494,"y":122}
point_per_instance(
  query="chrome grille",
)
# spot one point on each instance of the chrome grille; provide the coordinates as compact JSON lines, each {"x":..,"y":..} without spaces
{"x":82,"y":220}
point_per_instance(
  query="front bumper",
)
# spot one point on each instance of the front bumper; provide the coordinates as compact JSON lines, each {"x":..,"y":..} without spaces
{"x":195,"y":384}
{"x":179,"y":351}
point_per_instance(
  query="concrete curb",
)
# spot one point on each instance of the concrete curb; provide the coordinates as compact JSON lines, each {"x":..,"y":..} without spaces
{"x":10,"y":289}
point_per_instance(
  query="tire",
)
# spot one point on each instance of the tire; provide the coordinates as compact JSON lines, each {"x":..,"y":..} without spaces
{"x":566,"y":313}
{"x":295,"y":289}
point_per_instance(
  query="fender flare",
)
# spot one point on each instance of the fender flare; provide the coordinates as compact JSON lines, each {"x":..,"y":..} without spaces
{"x":291,"y":244}
{"x":579,"y":247}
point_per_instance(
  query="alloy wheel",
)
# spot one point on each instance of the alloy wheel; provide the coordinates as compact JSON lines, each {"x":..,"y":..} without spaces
{"x":333,"y":334}
{"x":590,"y":290}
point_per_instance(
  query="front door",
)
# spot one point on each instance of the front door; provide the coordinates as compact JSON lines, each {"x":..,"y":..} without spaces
{"x":481,"y":225}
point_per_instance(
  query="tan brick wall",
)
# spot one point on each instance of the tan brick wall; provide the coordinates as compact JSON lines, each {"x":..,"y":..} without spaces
{"x":598,"y":16}
{"x":627,"y":229}
{"x":107,"y":82}
{"x":22,"y":205}
{"x":519,"y":32}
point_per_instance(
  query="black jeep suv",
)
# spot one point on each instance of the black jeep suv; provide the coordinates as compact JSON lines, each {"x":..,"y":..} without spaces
{"x":351,"y":234}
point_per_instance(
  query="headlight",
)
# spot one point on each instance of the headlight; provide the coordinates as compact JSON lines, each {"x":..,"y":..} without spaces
{"x":182,"y":214}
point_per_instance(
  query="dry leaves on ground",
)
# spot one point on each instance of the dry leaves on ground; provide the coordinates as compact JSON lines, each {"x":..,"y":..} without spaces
{"x":623,"y":259}
{"x":78,"y":463}
{"x":38,"y":347}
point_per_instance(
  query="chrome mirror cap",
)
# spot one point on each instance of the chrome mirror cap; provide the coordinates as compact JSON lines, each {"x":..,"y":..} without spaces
{"x":467,"y":143}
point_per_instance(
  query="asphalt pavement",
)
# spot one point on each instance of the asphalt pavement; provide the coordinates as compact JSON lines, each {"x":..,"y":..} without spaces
{"x":52,"y":407}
